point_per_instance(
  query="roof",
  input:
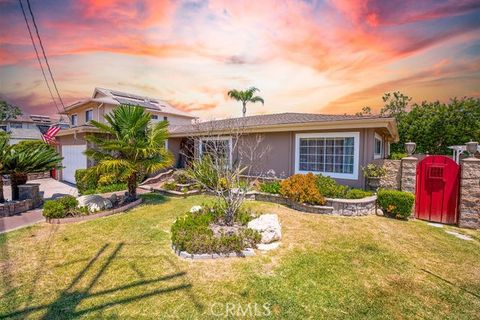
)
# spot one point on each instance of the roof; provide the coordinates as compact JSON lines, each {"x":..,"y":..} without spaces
{"x":114,"y":97}
{"x":287,"y":121}
{"x":31,"y":118}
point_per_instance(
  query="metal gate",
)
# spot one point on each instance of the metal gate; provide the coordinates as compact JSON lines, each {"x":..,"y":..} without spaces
{"x":437,"y":190}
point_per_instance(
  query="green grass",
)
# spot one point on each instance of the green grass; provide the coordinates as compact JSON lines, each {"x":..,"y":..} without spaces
{"x":326,"y":267}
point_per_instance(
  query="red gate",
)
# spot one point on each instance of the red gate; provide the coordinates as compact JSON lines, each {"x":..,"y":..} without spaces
{"x":438,"y":181}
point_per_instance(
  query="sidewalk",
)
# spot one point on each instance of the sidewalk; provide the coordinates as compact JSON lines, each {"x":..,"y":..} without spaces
{"x":21,"y":220}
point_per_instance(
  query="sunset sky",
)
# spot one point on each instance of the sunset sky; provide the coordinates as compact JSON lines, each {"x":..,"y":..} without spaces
{"x":332,"y":56}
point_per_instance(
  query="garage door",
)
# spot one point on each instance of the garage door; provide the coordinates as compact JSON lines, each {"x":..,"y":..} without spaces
{"x":73,"y":159}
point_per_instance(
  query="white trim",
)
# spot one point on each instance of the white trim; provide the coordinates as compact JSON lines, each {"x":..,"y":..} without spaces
{"x":375,"y":154}
{"x":356,"y":152}
{"x":228,"y":138}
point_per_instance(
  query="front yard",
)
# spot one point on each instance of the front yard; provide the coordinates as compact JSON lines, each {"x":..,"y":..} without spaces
{"x":326,"y":267}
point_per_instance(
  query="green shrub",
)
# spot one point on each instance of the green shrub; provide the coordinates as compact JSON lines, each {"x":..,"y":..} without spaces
{"x":302,"y":188}
{"x":54,"y":209}
{"x":374,"y":171}
{"x":397,"y":204}
{"x":270,"y":187}
{"x":68,"y":202}
{"x":357,"y":194}
{"x":192,"y":233}
{"x":397,"y":155}
{"x":169,"y":186}
{"x":329,"y":188}
{"x":86,"y":179}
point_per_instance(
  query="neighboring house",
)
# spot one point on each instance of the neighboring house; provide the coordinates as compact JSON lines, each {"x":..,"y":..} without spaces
{"x":72,"y":141}
{"x":333,"y":145}
{"x":26,"y":127}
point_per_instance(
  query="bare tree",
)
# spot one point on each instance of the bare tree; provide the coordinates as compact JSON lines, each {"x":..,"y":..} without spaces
{"x":225,"y":159}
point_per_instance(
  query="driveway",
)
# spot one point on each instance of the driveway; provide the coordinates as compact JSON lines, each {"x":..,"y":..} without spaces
{"x":51,"y":188}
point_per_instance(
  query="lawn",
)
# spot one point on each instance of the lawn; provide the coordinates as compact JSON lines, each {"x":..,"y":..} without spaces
{"x":327,"y":267}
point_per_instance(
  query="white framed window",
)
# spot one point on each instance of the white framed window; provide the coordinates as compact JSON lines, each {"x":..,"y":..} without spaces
{"x":220,"y":146}
{"x":154,"y":117}
{"x":88,"y":115}
{"x":378,"y":147}
{"x":333,"y":154}
{"x":74,"y":119}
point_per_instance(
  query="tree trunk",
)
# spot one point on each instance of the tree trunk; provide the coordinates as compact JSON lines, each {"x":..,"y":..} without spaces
{"x":17,"y":179}
{"x":132,"y":186}
{"x":244,"y":108}
{"x":2,"y":198}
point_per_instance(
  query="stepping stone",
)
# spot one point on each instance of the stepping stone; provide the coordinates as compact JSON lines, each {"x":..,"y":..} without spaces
{"x":459,"y":235}
{"x":268,"y":246}
{"x":436,"y":225}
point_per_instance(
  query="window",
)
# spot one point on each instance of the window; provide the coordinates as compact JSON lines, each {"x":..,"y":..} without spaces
{"x":154,"y":117}
{"x":16,"y":125}
{"x":165,"y":118}
{"x":378,"y":147}
{"x":88,"y":115}
{"x":219,"y":147}
{"x":4,"y":128}
{"x":331,"y":154}
{"x":74,"y":119}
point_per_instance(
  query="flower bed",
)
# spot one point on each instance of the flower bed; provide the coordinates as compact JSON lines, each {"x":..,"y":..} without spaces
{"x":96,"y":215}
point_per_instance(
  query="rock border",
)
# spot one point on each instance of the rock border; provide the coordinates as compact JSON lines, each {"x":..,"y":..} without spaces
{"x":94,"y":216}
{"x":208,"y":256}
{"x":178,"y":194}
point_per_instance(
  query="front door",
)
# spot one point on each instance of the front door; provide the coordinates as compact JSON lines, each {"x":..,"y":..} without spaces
{"x":437,"y":190}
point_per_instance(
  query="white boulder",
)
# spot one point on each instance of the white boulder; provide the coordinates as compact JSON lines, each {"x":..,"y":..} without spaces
{"x":94,"y":203}
{"x":268,"y":226}
{"x":195,"y":209}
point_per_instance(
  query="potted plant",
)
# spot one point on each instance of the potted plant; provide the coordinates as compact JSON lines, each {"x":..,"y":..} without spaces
{"x":373,"y":173}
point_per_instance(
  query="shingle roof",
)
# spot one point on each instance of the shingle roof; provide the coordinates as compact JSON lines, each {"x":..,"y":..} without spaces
{"x":265,"y":121}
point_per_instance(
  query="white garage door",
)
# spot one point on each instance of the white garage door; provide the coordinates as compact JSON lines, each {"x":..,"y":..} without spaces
{"x":73,"y":159}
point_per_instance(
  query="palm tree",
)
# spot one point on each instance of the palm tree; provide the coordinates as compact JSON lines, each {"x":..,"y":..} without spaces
{"x":245,"y":97}
{"x":28,"y":157}
{"x":129,"y":146}
{"x":4,"y":147}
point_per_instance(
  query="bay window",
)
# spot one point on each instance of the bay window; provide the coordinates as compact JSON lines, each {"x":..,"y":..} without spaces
{"x":330,"y":154}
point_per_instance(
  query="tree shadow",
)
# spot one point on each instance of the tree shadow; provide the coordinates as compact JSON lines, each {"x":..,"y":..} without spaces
{"x":65,"y":305}
{"x":153,"y":198}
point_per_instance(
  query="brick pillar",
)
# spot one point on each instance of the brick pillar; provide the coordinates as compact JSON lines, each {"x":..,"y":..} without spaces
{"x":409,"y":174}
{"x":469,"y":216}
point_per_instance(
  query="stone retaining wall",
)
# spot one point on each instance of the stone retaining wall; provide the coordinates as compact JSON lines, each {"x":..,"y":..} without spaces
{"x":469,"y":209}
{"x":343,"y":207}
{"x":12,"y":208}
{"x":393,"y":176}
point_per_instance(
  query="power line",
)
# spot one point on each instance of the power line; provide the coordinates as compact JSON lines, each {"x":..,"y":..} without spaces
{"x":38,"y":57}
{"x":44,"y":55}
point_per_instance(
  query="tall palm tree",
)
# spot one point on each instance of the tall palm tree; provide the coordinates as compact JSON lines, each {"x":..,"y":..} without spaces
{"x":245,"y":97}
{"x":4,"y":147}
{"x":28,"y":157}
{"x":129,"y":146}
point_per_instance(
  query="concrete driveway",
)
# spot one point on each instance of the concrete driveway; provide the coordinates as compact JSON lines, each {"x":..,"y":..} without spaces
{"x":51,"y":189}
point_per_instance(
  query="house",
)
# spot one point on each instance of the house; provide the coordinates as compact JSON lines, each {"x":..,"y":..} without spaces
{"x":27,"y":127}
{"x":333,"y":145}
{"x":71,"y":141}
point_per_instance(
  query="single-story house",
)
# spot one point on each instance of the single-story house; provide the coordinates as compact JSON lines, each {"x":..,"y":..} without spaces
{"x":333,"y":145}
{"x":27,"y":127}
{"x":72,"y":142}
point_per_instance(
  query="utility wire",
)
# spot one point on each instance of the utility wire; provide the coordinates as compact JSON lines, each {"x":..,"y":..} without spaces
{"x":38,"y":56}
{"x":44,"y":55}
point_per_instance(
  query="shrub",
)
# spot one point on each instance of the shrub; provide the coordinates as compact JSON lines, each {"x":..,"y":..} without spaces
{"x":374,"y":171}
{"x":270,"y":187}
{"x":62,"y":207}
{"x":328,"y":187}
{"x":301,"y":188}
{"x":397,"y":155}
{"x":192,"y":233}
{"x":169,"y":186}
{"x":357,"y":194}
{"x":54,"y":209}
{"x":86,"y":179}
{"x":397,"y":204}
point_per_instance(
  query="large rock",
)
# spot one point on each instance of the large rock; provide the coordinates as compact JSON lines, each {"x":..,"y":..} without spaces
{"x":94,"y":202}
{"x":268,"y":226}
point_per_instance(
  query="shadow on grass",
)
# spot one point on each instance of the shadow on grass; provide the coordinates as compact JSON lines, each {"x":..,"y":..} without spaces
{"x":154,"y":198}
{"x":65,"y":305}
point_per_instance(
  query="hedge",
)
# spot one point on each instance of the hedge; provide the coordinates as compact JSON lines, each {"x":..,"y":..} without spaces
{"x":396,"y":204}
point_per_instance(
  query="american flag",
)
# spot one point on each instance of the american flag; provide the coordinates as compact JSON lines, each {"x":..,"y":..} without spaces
{"x":49,"y":136}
